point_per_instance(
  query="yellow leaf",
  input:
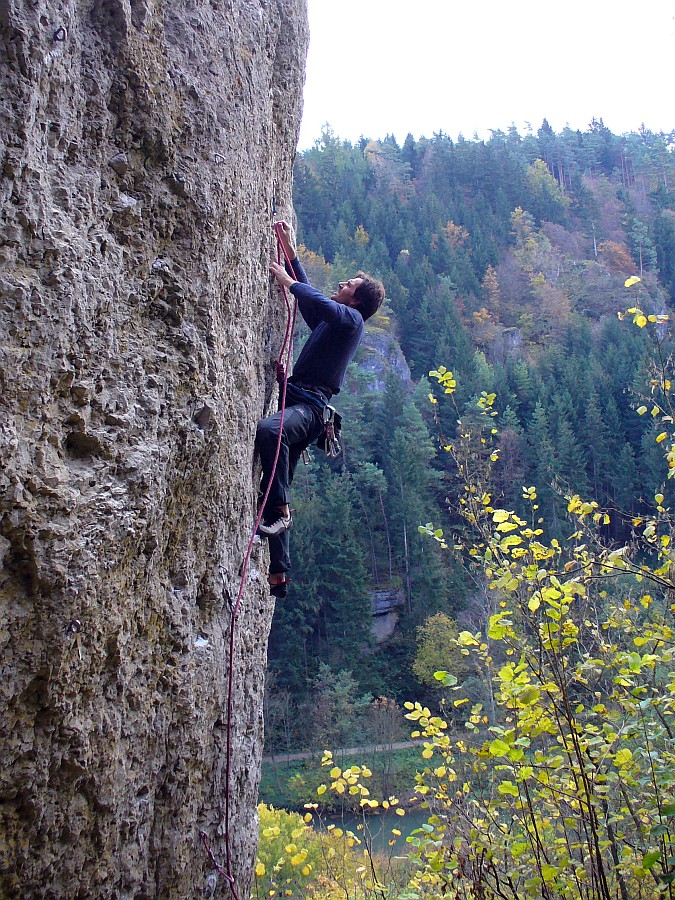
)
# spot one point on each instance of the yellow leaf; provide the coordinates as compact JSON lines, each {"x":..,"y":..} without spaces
{"x":661,"y":437}
{"x":623,"y":757}
{"x":640,"y":321}
{"x":506,"y":526}
{"x":259,"y":869}
{"x":629,"y":282}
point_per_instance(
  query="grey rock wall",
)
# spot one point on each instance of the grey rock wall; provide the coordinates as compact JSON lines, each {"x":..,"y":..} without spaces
{"x":141,"y":145}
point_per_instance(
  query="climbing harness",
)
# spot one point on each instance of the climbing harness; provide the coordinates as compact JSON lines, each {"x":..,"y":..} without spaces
{"x":329,"y":439}
{"x":283,"y":364}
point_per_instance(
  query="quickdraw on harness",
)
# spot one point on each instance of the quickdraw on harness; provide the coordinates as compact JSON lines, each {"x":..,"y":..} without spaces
{"x":283,"y":364}
{"x":329,"y":441}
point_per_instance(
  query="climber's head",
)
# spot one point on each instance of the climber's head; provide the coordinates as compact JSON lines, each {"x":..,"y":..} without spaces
{"x":361,"y":292}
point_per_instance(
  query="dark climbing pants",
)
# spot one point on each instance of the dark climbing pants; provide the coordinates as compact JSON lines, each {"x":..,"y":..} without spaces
{"x":302,"y":426}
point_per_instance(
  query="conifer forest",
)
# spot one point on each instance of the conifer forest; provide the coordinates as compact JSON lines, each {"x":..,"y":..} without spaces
{"x":505,"y":262}
{"x":488,"y":562}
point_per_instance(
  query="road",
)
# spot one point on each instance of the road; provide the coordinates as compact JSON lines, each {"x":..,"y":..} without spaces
{"x":276,"y":758}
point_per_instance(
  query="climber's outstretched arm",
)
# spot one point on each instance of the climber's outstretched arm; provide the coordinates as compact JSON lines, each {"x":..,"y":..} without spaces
{"x":285,"y":233}
{"x":294,"y":267}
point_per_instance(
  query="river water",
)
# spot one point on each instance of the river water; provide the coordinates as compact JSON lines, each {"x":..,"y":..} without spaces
{"x":379,"y":827}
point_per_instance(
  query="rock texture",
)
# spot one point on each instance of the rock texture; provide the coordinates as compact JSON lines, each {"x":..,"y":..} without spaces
{"x":142,"y":143}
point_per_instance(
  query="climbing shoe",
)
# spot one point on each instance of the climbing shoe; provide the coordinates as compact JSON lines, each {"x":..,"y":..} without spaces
{"x":283,"y":523}
{"x":280,"y":589}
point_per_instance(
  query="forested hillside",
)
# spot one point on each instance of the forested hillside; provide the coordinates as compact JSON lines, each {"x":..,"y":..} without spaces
{"x":504,"y":261}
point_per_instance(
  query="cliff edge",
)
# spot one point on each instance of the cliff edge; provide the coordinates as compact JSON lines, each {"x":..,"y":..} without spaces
{"x":142,"y":146}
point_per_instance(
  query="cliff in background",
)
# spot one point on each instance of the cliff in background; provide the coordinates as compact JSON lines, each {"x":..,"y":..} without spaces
{"x":141,"y":145}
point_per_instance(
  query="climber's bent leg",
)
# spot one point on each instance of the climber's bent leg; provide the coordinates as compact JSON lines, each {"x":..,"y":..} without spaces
{"x":301,"y":426}
{"x":279,"y":544}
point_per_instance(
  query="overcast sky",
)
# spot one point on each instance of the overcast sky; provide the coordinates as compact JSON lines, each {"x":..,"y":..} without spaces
{"x":423,"y":66}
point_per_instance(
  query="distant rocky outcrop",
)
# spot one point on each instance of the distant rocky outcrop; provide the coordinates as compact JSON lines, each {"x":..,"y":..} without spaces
{"x":386,"y":606}
{"x":142,"y":148}
{"x":381,"y":356}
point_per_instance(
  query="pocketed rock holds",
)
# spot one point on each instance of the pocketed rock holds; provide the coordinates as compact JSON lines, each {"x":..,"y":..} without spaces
{"x":119,"y":163}
{"x":132,"y":133}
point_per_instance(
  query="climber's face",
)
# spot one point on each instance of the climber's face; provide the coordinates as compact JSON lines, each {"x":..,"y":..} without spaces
{"x":346,"y":290}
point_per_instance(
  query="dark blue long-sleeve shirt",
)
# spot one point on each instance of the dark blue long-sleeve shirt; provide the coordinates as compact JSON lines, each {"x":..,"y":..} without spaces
{"x":336,"y":334}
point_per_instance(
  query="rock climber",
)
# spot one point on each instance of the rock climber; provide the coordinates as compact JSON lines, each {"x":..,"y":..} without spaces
{"x":337,"y":326}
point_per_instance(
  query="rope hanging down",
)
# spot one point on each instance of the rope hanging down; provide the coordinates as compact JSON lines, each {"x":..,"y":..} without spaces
{"x":283,"y":365}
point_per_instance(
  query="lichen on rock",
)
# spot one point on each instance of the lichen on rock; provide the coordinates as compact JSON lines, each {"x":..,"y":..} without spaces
{"x":141,"y":145}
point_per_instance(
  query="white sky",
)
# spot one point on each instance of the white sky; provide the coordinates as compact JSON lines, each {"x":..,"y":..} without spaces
{"x":423,"y":66}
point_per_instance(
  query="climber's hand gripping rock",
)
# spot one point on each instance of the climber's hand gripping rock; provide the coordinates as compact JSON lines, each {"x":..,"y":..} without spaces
{"x":281,"y":275}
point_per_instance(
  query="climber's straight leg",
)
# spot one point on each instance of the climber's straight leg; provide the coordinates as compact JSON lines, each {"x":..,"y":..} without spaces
{"x":280,"y":556}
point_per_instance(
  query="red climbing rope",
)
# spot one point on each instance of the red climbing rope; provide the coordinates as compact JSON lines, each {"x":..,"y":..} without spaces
{"x":283,"y":365}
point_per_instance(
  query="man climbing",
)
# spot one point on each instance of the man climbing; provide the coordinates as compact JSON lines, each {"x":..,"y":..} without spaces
{"x":337,"y":326}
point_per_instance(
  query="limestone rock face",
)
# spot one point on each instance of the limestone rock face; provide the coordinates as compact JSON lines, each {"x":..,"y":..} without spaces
{"x":142,"y":146}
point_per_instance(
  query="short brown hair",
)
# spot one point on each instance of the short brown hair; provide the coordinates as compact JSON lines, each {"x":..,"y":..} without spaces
{"x":370,"y":295}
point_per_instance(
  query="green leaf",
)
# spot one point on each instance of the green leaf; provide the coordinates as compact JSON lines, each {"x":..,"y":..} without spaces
{"x":496,"y":632}
{"x":508,"y":788}
{"x":529,"y":695}
{"x":549,"y":873}
{"x":499,"y":748}
{"x":650,"y":858}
